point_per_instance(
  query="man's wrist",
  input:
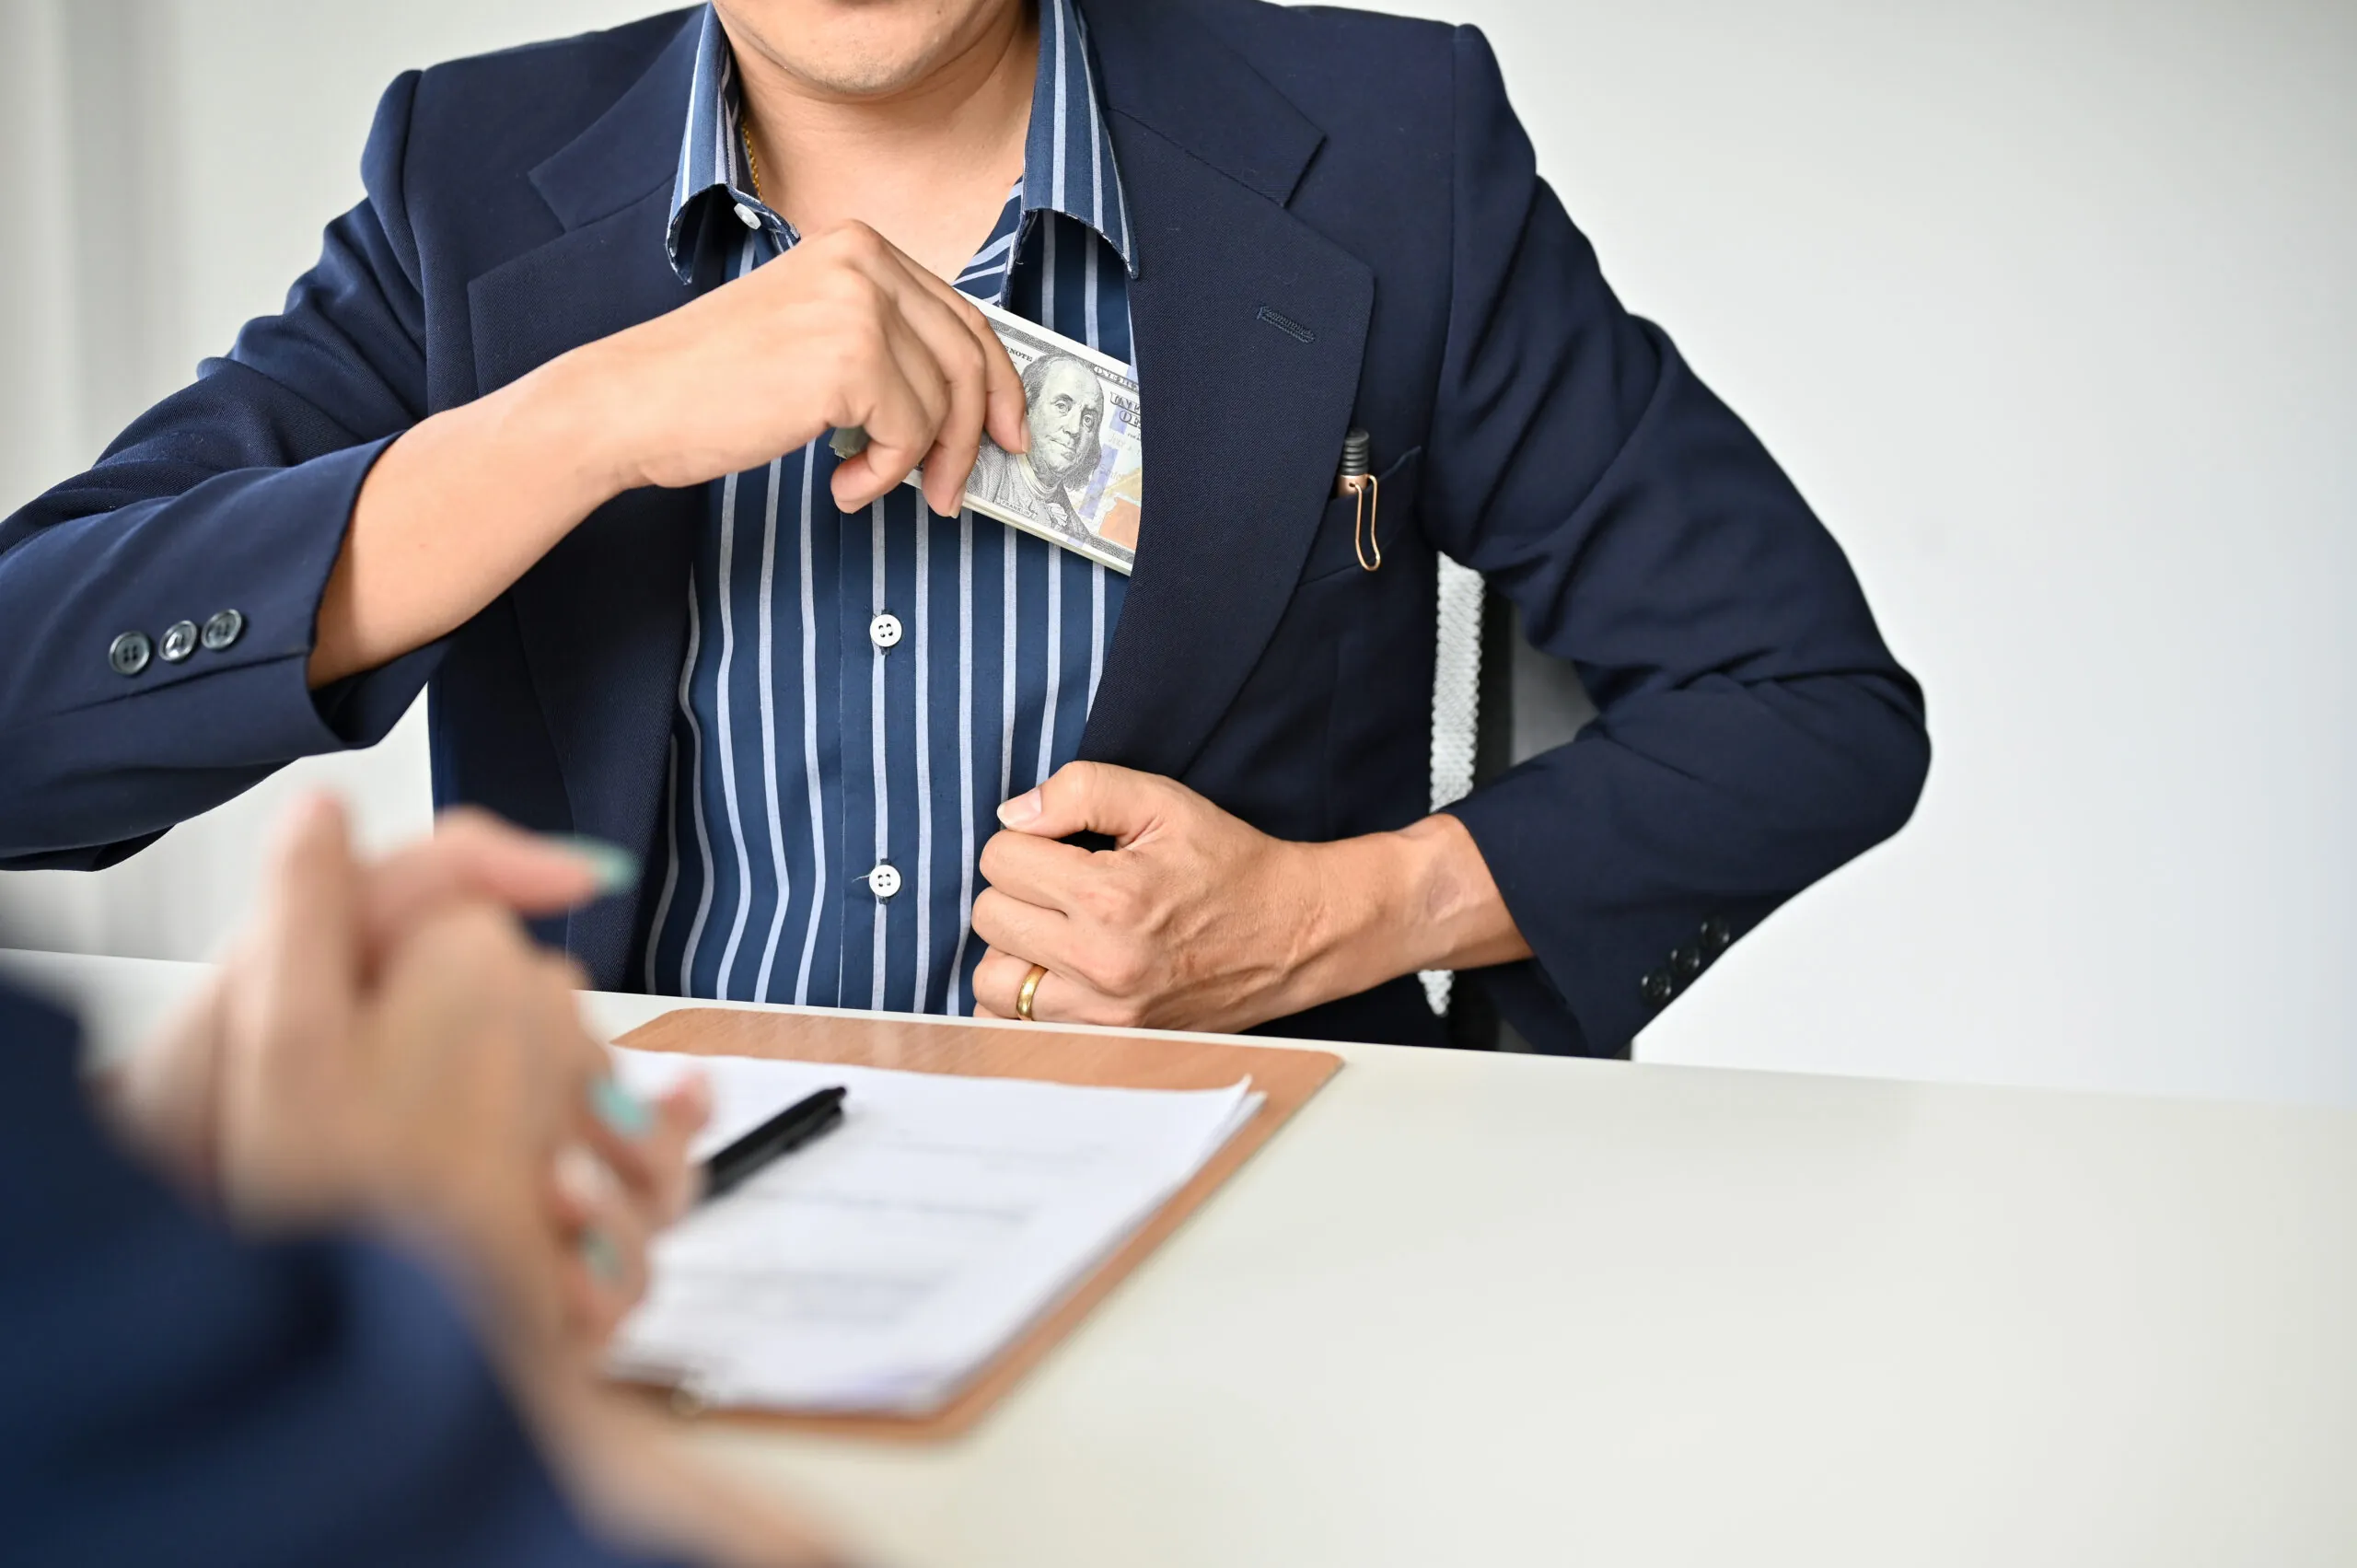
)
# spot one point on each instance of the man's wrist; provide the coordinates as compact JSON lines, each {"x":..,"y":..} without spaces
{"x":566,"y":424}
{"x":1364,"y":931}
{"x":1390,"y":904}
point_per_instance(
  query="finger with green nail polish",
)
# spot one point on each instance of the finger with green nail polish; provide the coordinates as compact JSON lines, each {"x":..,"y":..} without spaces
{"x":619,"y":1108}
{"x":615,"y":868}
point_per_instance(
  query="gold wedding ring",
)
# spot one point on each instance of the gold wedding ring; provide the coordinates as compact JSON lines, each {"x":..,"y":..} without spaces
{"x":1024,"y":997}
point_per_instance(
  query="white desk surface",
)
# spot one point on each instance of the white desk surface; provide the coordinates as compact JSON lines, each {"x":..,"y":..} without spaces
{"x":1504,"y":1310}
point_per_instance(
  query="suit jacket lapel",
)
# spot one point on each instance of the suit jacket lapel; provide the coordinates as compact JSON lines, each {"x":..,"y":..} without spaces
{"x":603,"y":616}
{"x":1249,"y":414}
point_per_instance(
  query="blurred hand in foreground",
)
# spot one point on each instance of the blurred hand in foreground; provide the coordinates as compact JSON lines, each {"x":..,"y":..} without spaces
{"x":384,"y":1050}
{"x":322,"y":1078}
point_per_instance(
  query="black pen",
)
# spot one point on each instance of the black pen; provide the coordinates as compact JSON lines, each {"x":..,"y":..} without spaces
{"x":797,"y":1124}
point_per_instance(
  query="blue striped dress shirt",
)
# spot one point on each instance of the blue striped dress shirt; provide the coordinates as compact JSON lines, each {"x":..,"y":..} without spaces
{"x":862,"y":689}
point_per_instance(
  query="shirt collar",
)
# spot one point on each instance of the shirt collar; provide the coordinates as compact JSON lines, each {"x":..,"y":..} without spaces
{"x":1067,"y":155}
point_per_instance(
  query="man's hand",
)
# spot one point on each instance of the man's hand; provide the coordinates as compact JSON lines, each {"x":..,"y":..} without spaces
{"x":386,"y":1050}
{"x":843,"y":330}
{"x":170,"y":1093}
{"x":270,"y":1096}
{"x":1197,"y":921}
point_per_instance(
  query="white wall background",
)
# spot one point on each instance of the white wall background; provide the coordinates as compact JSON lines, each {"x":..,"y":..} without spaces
{"x":2047,"y":305}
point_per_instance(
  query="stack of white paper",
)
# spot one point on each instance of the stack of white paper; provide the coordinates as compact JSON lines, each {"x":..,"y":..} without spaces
{"x":880,"y":1268}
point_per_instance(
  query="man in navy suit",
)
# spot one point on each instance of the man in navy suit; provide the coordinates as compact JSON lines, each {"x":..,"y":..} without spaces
{"x":545,"y":431}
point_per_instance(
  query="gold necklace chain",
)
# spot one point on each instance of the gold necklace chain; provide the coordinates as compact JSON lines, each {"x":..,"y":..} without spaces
{"x":752,"y":162}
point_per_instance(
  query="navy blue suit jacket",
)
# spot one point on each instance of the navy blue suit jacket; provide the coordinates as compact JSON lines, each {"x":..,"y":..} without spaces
{"x":1338,"y":222}
{"x":168,"y":1394}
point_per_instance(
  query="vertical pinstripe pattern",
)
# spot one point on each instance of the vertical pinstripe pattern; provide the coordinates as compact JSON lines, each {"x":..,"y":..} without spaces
{"x":695,"y":750}
{"x":772,"y":845}
{"x":1007,"y":667}
{"x":780,"y":878}
{"x":966,"y":850}
{"x":813,"y":777}
{"x":1096,"y":630}
{"x":1054,"y":662}
{"x":725,"y":737}
{"x":878,"y":749}
{"x":671,"y":866}
{"x":923,"y":756}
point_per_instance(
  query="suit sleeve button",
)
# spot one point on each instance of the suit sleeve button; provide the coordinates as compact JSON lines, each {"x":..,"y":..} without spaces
{"x":128,"y":653}
{"x":179,"y":641}
{"x":1686,"y":963}
{"x":223,"y":630}
{"x":1658,"y":988}
{"x":1717,"y":936}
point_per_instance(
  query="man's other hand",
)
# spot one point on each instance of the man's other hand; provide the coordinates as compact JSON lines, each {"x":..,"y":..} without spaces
{"x":1196,"y":920}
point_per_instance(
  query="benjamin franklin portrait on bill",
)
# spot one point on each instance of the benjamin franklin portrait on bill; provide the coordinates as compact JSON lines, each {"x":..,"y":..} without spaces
{"x":1064,"y":408}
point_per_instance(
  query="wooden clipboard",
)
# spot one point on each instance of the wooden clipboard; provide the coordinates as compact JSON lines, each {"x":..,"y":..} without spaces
{"x":1286,"y":1076}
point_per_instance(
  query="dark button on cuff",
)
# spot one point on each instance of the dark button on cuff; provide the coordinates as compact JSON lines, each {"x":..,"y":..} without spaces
{"x":223,"y":630}
{"x":179,"y":641}
{"x":128,"y":653}
{"x":1658,"y":988}
{"x":1686,"y":963}
{"x":1717,"y":936}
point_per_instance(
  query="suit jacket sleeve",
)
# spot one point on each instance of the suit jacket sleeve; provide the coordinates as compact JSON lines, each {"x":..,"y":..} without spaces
{"x":1753,"y":731}
{"x":234,"y":494}
{"x":168,"y":1394}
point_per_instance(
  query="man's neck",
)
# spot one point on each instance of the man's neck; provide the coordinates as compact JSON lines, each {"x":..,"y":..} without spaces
{"x":927,"y":164}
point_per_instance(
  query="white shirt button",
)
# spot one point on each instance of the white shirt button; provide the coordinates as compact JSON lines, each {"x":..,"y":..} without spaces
{"x":885,"y":631}
{"x":884,"y":881}
{"x":747,"y":217}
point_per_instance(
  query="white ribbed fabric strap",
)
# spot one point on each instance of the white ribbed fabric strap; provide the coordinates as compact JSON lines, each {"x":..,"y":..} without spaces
{"x":1457,"y":710}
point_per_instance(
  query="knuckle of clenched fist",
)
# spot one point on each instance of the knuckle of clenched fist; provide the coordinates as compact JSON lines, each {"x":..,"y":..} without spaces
{"x":1089,"y":966}
{"x":846,"y":354}
{"x":1060,"y":789}
{"x":852,"y":291}
{"x":1130,"y":904}
{"x":868,"y":367}
{"x":1123,"y":969}
{"x":1106,"y":901}
{"x":871,"y":302}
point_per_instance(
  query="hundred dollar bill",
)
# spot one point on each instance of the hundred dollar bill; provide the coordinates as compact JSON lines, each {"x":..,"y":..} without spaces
{"x":1079,"y":484}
